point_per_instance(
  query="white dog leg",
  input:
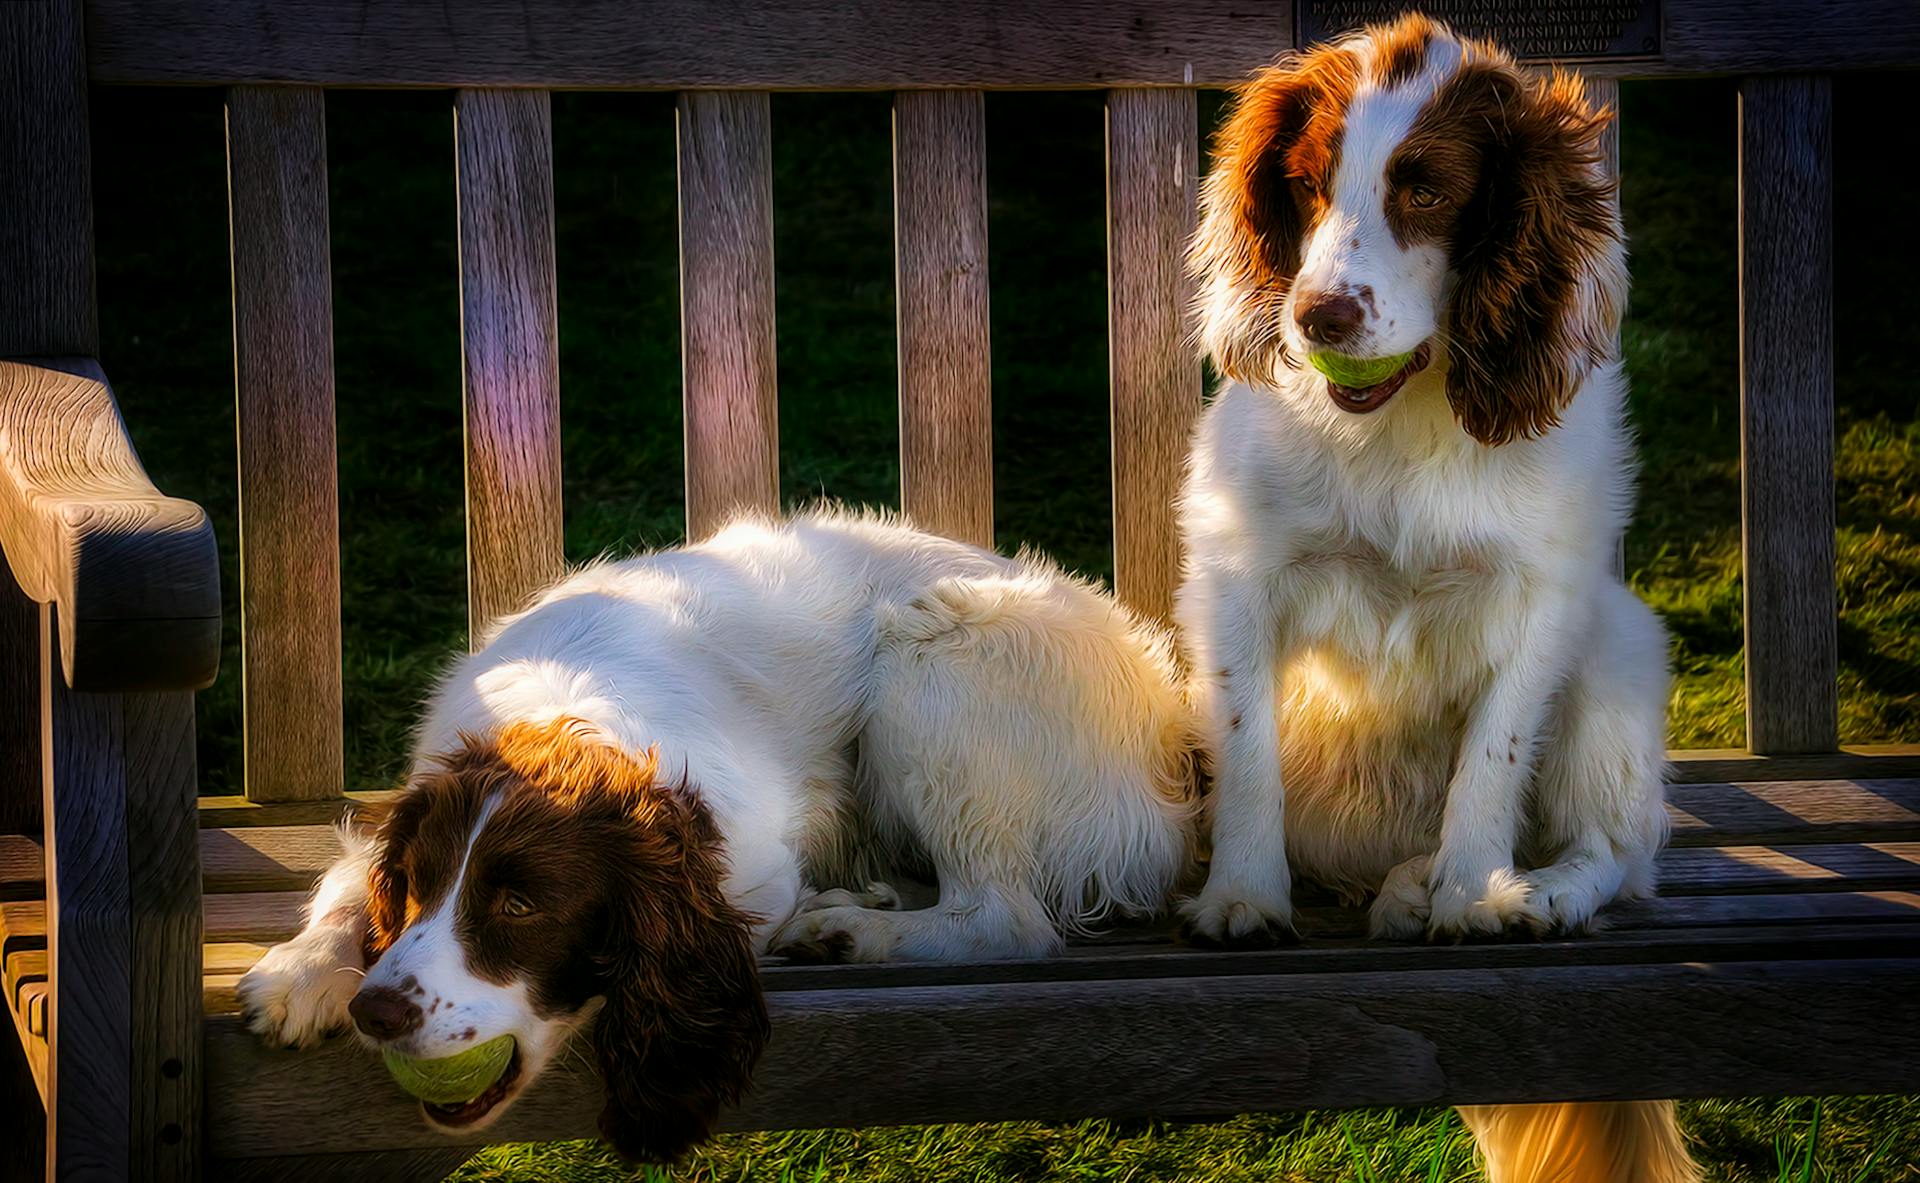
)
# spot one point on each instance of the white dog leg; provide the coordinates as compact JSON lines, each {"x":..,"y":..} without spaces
{"x":1232,"y":645}
{"x":297,"y":994}
{"x":968,"y":924}
{"x":1600,"y":792}
{"x":1475,"y":888}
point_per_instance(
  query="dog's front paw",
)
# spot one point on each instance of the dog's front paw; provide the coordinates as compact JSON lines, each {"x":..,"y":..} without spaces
{"x":1569,"y":895}
{"x":1480,"y":904}
{"x":832,"y":934}
{"x":297,"y":994}
{"x":1235,"y":916}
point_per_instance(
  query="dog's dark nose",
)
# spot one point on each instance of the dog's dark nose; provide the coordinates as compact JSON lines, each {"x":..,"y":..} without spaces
{"x":1328,"y":320}
{"x":384,"y":1014}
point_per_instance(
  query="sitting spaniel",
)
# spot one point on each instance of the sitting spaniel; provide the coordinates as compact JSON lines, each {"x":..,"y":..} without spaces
{"x":648,"y":778}
{"x":1421,"y":679}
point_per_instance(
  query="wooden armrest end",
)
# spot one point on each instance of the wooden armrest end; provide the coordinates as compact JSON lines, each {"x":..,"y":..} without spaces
{"x":133,"y":574}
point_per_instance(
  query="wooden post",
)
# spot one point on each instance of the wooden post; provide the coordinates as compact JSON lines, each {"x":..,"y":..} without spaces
{"x":283,"y":388}
{"x":726,"y":306}
{"x":19,"y":710}
{"x":1786,"y":413}
{"x":509,"y":349}
{"x":123,"y":930}
{"x":116,"y":771}
{"x":940,"y":265}
{"x":1152,"y":178}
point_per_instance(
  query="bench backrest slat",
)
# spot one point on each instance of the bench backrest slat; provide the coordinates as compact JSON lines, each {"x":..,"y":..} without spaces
{"x":1152,"y":178}
{"x":1786,"y":413}
{"x":726,"y":306}
{"x":46,"y":291}
{"x":940,"y":260}
{"x":509,"y":348}
{"x":284,"y":397}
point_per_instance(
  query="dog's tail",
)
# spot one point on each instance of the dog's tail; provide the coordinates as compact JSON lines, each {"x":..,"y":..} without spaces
{"x":1588,"y":1142}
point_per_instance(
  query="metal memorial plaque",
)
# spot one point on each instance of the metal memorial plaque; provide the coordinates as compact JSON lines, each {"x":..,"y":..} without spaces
{"x":1534,"y":30}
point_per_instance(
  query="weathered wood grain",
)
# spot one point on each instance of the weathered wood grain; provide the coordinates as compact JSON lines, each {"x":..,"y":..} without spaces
{"x":22,"y":871}
{"x":1192,"y":1048}
{"x":266,"y":858}
{"x":23,"y":1075}
{"x":1348,"y":952}
{"x":163,"y":883}
{"x":1718,"y":870}
{"x":89,"y":1088}
{"x":1794,"y":812}
{"x":1809,"y":820}
{"x":266,"y":917}
{"x":133,"y":572}
{"x":19,"y":710}
{"x":510,"y":349}
{"x":225,"y":812}
{"x":1852,"y":761}
{"x":1786,"y":413}
{"x":1153,"y":162}
{"x":726,"y":307}
{"x":289,"y":497}
{"x":123,"y":932}
{"x":940,"y":265}
{"x":1737,"y":36}
{"x":46,"y":187}
{"x":681,"y":44}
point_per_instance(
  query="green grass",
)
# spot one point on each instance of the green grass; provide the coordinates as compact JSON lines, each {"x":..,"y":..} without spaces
{"x":163,"y":285}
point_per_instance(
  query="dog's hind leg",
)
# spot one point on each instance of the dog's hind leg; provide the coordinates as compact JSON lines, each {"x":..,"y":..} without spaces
{"x":970,"y":923}
{"x":1600,"y":811}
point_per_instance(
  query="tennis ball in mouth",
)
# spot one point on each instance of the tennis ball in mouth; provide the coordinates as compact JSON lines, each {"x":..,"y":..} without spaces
{"x":1358,"y":373}
{"x":452,"y":1080}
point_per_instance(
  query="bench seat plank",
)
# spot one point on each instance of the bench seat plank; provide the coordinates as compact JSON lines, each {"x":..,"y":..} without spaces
{"x":1188,"y":1047}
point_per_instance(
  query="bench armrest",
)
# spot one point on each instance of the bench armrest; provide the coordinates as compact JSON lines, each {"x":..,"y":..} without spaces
{"x":133,"y":575}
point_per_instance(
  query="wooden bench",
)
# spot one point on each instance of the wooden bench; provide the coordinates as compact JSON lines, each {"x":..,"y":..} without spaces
{"x":1783,"y":954}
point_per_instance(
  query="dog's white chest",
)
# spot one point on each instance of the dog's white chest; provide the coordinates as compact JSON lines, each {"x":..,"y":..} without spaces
{"x":1392,"y":626}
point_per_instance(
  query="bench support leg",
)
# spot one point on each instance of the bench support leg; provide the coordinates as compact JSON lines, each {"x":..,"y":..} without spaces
{"x":123,"y":931}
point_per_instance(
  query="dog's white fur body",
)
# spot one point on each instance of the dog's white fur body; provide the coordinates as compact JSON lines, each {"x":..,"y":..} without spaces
{"x":1420,"y":677}
{"x":1407,"y":619}
{"x":1412,"y":654}
{"x":848,"y":697}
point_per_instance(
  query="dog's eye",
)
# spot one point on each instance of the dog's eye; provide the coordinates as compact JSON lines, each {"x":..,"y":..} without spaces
{"x":517,"y":906}
{"x":1425,"y":198}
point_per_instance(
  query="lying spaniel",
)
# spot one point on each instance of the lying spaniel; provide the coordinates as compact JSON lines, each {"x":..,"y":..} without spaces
{"x":1421,"y":679}
{"x":670,"y":765}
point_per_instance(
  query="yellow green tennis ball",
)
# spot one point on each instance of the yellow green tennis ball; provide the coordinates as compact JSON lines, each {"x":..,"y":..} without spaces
{"x":452,"y":1080}
{"x":1358,"y":373}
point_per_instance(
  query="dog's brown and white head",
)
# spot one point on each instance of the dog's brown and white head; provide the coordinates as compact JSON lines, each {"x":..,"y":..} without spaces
{"x":540,"y":878}
{"x":1409,"y":191}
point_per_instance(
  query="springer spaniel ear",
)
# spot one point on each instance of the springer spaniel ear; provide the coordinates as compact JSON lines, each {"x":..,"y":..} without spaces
{"x":1539,"y":254}
{"x":1259,"y":201}
{"x":387,"y":879}
{"x":684,"y":1020}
